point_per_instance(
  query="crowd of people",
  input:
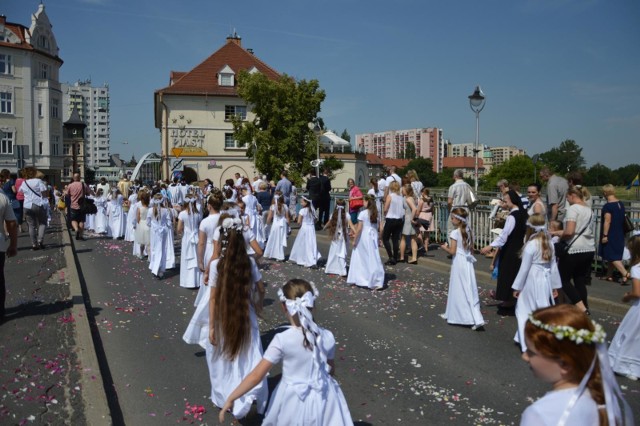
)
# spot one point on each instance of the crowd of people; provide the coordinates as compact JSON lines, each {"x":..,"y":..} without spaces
{"x":542,"y":250}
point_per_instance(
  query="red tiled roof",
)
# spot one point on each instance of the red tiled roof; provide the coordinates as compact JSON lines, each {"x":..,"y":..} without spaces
{"x":21,"y":31}
{"x":394,"y":162}
{"x":374,"y":159}
{"x":461,"y":162}
{"x":203,"y":79}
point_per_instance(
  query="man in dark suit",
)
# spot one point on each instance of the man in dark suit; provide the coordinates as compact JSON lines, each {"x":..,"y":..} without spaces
{"x":325,"y":197}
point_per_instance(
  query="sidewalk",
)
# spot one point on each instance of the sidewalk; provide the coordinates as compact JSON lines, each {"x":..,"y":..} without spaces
{"x":48,"y":370}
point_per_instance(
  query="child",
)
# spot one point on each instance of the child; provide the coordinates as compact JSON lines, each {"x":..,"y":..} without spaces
{"x":205,"y":232}
{"x":117,"y":223}
{"x":142,"y":234}
{"x":307,"y":394}
{"x":337,"y":260}
{"x":279,"y":219}
{"x":100,"y":224}
{"x":305,"y":248}
{"x":129,"y":234}
{"x":624,"y":352}
{"x":366,"y":268}
{"x":463,"y":302}
{"x":159,"y":222}
{"x":555,"y":227}
{"x":538,"y":280}
{"x":252,"y":210}
{"x":568,"y":350}
{"x":188,"y":222}
{"x":237,"y":293}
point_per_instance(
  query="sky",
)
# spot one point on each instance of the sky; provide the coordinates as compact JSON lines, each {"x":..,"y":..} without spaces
{"x":550,"y":69}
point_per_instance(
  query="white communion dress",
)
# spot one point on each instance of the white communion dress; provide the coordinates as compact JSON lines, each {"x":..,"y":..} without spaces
{"x":158,"y":236}
{"x":624,"y":352}
{"x":337,"y":259}
{"x":277,"y":236}
{"x":366,"y":268}
{"x":190,"y":274}
{"x":305,"y":248}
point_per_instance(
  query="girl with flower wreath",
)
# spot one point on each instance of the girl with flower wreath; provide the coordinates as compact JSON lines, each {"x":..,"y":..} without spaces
{"x":463,"y":302}
{"x":366,"y":268}
{"x":307,"y":393}
{"x":230,"y":319}
{"x":538,"y":280}
{"x":305,"y":248}
{"x":188,"y":222}
{"x":568,"y":350}
{"x":624,"y":352}
{"x":279,"y":220}
{"x":337,"y":259}
{"x":159,"y":221}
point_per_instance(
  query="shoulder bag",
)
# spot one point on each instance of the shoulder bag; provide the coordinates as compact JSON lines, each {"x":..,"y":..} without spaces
{"x":87,"y":205}
{"x":627,"y":225}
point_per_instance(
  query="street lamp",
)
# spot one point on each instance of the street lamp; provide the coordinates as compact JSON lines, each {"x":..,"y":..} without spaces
{"x":476,"y":102}
{"x":535,"y":160}
{"x":317,"y":130}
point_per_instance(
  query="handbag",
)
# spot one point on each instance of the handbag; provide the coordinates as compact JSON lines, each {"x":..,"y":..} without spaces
{"x":627,"y":225}
{"x":61,"y":204}
{"x":87,"y":205}
{"x":562,"y":247}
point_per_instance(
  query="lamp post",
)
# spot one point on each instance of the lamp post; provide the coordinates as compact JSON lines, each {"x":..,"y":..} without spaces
{"x":317,"y":130}
{"x":535,"y":160}
{"x":476,"y":102}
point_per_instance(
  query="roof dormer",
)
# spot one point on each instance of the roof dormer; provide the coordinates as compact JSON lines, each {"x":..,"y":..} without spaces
{"x":226,"y":77}
{"x":253,"y":70}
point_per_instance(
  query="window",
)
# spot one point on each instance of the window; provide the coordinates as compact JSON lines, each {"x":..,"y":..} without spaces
{"x":44,"y":71}
{"x":40,"y":110}
{"x":225,"y":76}
{"x":6,"y":143}
{"x":231,"y":110}
{"x":43,"y":42}
{"x":67,"y":149}
{"x":40,"y":148}
{"x":5,"y":64}
{"x":54,"y":108}
{"x":230,"y":142}
{"x":6,"y":103}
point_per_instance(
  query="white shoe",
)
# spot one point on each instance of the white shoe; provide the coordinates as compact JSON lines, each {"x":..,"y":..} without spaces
{"x":478,"y":326}
{"x":443,"y":316}
{"x":631,"y":377}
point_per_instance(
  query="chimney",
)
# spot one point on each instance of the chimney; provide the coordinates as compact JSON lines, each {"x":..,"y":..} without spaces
{"x":250,"y":51}
{"x":234,"y":38}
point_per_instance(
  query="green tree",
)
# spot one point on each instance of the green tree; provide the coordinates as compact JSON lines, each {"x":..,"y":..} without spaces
{"x":424,"y":169}
{"x":345,"y":135}
{"x":445,"y":177}
{"x":624,"y":175}
{"x":598,"y":175}
{"x":564,"y":158}
{"x":410,"y":151}
{"x":517,"y":170}
{"x":279,"y":137}
{"x":332,"y":164}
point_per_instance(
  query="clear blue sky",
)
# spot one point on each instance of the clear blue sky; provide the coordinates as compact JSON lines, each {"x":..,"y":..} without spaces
{"x":551,"y":69}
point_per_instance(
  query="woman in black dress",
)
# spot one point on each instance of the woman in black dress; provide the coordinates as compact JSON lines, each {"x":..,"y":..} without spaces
{"x":510,"y":241}
{"x":612,"y":234}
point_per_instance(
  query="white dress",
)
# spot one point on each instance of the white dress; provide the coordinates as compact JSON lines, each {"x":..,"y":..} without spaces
{"x":535,"y":281}
{"x":547,"y":410}
{"x":208,"y":226}
{"x":305,"y":248}
{"x":306,"y":394}
{"x":337,"y":259}
{"x":100,"y":225}
{"x":255,"y":219}
{"x":366,"y":268}
{"x":463,"y":302}
{"x":129,"y":233}
{"x":277,"y":236}
{"x":90,"y":219}
{"x":225,"y":374}
{"x":624,"y":352}
{"x":159,"y":234}
{"x":190,"y":274}
{"x":170,"y":259}
{"x":142,"y":229}
{"x":117,"y":222}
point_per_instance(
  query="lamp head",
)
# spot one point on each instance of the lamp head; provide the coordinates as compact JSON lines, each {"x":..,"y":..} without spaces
{"x":477,"y":98}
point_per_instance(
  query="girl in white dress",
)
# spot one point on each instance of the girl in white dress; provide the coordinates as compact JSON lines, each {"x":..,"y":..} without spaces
{"x":538,"y":280}
{"x":188,"y":223}
{"x":90,"y":219}
{"x":624,"y":352}
{"x":115,"y":212}
{"x":305,"y":248}
{"x":307,"y":393}
{"x":129,"y":234}
{"x":337,"y":259}
{"x":279,"y":220}
{"x":205,"y":234}
{"x":170,"y":257}
{"x":366,"y":269}
{"x":142,"y":234}
{"x":100,"y":224}
{"x":463,"y":302}
{"x":568,"y":350}
{"x":253,"y":211}
{"x":159,"y":222}
{"x":237,"y":294}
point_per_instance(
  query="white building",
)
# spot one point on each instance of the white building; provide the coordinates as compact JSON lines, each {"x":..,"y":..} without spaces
{"x":31,"y":115}
{"x":92,"y":103}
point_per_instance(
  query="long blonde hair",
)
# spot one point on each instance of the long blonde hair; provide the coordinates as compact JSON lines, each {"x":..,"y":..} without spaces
{"x":543,"y":237}
{"x":467,"y":237}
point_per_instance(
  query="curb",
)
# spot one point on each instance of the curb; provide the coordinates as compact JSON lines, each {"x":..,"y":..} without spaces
{"x":96,"y":407}
{"x":484,"y":279}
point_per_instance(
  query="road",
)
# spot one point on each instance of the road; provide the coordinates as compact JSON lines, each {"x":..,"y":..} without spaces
{"x":397,"y":361}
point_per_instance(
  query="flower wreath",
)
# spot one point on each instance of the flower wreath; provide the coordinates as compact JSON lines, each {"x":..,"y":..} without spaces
{"x":577,"y":336}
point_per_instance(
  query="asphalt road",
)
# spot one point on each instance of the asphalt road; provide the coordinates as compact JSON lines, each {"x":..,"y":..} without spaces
{"x":397,"y":361}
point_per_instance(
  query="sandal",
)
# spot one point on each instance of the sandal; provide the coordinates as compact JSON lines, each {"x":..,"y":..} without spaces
{"x":625,"y":279}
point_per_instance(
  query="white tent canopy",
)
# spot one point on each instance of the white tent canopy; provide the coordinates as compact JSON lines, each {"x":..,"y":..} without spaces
{"x":333,"y":140}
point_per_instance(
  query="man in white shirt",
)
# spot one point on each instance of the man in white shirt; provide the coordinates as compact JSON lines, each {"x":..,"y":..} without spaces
{"x":238,"y":180}
{"x":256,"y":183}
{"x":457,"y":196}
{"x":104,"y":185}
{"x":393,"y":177}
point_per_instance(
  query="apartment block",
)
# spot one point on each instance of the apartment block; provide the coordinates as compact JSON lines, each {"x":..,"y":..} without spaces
{"x":92,"y":104}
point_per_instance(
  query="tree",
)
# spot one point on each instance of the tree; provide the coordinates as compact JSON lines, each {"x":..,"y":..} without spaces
{"x":410,"y":151}
{"x":345,"y":135}
{"x":279,"y":137}
{"x":624,"y":175}
{"x":517,"y":170}
{"x":424,"y":169}
{"x":565,"y":158}
{"x":598,"y":175}
{"x":445,"y":177}
{"x":332,"y":164}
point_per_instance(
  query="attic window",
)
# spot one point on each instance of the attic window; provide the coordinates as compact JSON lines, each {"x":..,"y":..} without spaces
{"x":253,"y":70}
{"x":226,"y":77}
